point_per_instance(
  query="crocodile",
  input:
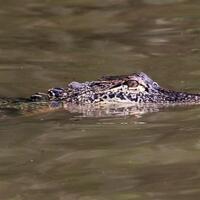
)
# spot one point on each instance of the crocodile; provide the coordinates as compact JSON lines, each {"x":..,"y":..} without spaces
{"x":124,"y":94}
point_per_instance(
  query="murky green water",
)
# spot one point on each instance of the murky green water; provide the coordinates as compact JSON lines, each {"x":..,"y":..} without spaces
{"x":58,"y":155}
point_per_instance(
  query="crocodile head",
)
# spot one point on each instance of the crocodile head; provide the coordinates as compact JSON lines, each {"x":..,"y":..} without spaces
{"x":134,"y":88}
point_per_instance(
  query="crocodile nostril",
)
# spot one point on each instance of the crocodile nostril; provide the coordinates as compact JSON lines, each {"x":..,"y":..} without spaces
{"x":56,"y":92}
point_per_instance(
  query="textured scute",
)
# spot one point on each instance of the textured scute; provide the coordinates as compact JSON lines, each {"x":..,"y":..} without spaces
{"x":76,"y":85}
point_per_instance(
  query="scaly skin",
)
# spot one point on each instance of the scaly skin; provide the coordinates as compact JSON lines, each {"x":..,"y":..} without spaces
{"x":136,"y":90}
{"x":133,"y":89}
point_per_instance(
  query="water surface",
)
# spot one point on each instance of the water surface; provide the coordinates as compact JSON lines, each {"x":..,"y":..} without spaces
{"x":60,"y":155}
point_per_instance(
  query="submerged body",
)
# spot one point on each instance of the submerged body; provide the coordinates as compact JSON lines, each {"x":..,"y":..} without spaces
{"x":137,"y":91}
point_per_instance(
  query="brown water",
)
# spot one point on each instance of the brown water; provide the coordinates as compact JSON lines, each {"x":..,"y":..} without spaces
{"x":44,"y":44}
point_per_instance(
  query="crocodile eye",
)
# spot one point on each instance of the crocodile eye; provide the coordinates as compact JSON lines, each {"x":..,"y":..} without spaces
{"x":131,"y":83}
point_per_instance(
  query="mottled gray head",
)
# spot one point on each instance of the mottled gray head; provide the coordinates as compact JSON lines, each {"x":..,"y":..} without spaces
{"x":133,"y":88}
{"x":137,"y":87}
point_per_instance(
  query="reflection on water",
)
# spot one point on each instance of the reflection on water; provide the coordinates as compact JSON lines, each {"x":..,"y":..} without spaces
{"x":58,"y":155}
